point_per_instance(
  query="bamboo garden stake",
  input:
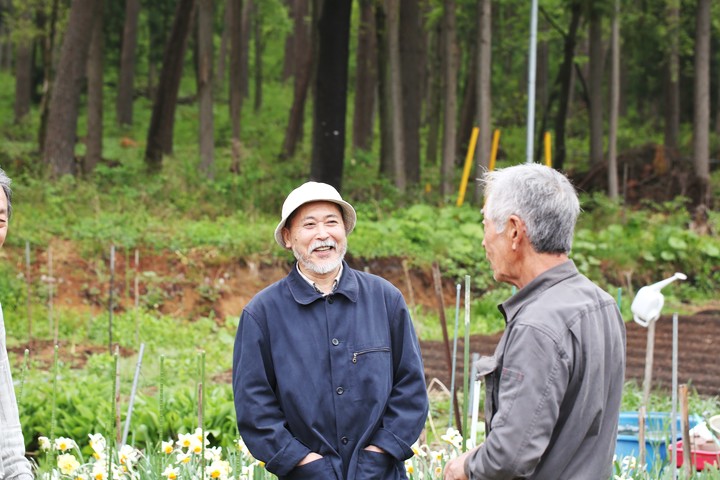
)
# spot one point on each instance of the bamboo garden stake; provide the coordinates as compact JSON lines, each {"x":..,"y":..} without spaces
{"x":110,"y":298}
{"x":132,"y":395}
{"x":466,"y":356}
{"x":29,"y":288}
{"x":454,"y":356}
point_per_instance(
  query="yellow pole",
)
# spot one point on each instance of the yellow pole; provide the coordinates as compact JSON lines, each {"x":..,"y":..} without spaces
{"x":494,"y":150}
{"x":468,"y":164}
{"x":548,"y":150}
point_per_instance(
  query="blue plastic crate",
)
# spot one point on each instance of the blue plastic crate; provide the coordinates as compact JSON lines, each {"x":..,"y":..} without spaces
{"x":658,"y":431}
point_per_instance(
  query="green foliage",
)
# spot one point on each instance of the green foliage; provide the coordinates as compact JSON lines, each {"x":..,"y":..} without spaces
{"x":14,"y":292}
{"x":645,"y":245}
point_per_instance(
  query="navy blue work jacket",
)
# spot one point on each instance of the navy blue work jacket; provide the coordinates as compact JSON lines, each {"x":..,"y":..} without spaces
{"x":331,"y":375}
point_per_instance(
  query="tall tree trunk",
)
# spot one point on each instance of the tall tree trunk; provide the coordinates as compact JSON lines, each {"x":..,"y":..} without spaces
{"x":717,"y":112}
{"x":468,"y":105}
{"x":672,"y":96}
{"x":162,"y":121}
{"x":23,"y":72}
{"x":701,"y":121}
{"x":365,"y":78}
{"x":484,"y":94}
{"x":126,"y":82}
{"x":384,"y":92}
{"x":543,"y":66}
{"x":5,"y":44}
{"x":258,"y":57}
{"x":59,"y":153}
{"x":235,"y":85}
{"x":451,"y":54}
{"x":47,"y":56}
{"x":289,"y":56}
{"x":303,"y":71}
{"x":246,"y":32}
{"x":205,"y":87}
{"x":565,"y":76}
{"x":434,"y":102}
{"x":396,"y":94}
{"x":223,"y":53}
{"x":331,"y":92}
{"x":596,"y":60}
{"x":94,"y":140}
{"x":614,"y":104}
{"x":412,"y":60}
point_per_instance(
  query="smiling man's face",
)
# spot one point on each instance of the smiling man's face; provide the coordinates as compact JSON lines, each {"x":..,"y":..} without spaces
{"x":4,"y":216}
{"x":316,"y":235}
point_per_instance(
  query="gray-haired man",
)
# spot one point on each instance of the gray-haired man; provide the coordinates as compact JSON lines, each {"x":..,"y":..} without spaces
{"x":555,"y":382}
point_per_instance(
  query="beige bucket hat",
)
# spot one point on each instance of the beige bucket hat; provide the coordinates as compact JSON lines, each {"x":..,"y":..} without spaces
{"x":314,"y":192}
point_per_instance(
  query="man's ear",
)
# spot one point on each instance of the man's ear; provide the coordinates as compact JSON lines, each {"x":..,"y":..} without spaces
{"x":515,"y":227}
{"x":286,"y":237}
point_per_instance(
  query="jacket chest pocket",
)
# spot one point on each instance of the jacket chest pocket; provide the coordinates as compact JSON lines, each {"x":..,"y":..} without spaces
{"x":361,"y":354}
{"x":371,"y":371}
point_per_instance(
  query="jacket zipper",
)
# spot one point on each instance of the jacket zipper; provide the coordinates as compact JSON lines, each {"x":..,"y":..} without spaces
{"x":369,"y":350}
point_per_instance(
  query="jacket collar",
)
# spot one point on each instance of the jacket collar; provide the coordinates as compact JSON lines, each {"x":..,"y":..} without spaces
{"x":539,"y":284}
{"x":305,"y":294}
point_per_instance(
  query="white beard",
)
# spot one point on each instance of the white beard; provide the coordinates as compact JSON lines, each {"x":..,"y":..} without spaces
{"x":323,"y":267}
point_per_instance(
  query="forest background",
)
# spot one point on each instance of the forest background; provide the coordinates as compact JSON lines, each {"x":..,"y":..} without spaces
{"x":169,"y":132}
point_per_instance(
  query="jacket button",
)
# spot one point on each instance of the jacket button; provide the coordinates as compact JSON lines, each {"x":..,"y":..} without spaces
{"x":335,"y":342}
{"x":330,"y":300}
{"x":344,"y":440}
{"x":340,"y":390}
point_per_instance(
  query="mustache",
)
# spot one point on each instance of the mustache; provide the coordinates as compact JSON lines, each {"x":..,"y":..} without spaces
{"x":322,"y":243}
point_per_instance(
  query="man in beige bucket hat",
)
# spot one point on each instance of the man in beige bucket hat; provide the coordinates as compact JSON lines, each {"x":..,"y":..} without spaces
{"x":327,"y":374}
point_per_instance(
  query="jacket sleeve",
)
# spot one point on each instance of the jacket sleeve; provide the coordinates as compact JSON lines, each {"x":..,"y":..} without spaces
{"x":260,"y":420}
{"x":407,"y":407}
{"x":13,"y":464}
{"x":532,"y":385}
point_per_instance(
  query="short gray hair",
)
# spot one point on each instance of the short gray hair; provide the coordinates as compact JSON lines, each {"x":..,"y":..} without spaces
{"x":541,"y":196}
{"x":5,"y":183}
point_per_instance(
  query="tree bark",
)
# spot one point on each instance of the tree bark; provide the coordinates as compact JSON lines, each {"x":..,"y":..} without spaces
{"x":162,"y":121}
{"x":412,"y":61}
{"x":246,"y":31}
{"x":450,"y":50}
{"x":596,"y":61}
{"x":565,"y":76}
{"x":5,"y":43}
{"x":672,"y":96}
{"x":434,"y":101}
{"x":484,"y":94}
{"x":613,"y":188}
{"x":223,"y":53}
{"x":59,"y":153}
{"x":126,"y":82}
{"x":235,"y":86}
{"x":384,"y":92}
{"x":302,"y":74}
{"x":289,"y":56}
{"x":205,"y":87}
{"x":47,"y":56}
{"x":701,"y":121}
{"x":365,"y":78}
{"x":257,"y":29}
{"x":93,"y":153}
{"x":331,"y":92}
{"x":396,"y":94}
{"x":468,"y":104}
